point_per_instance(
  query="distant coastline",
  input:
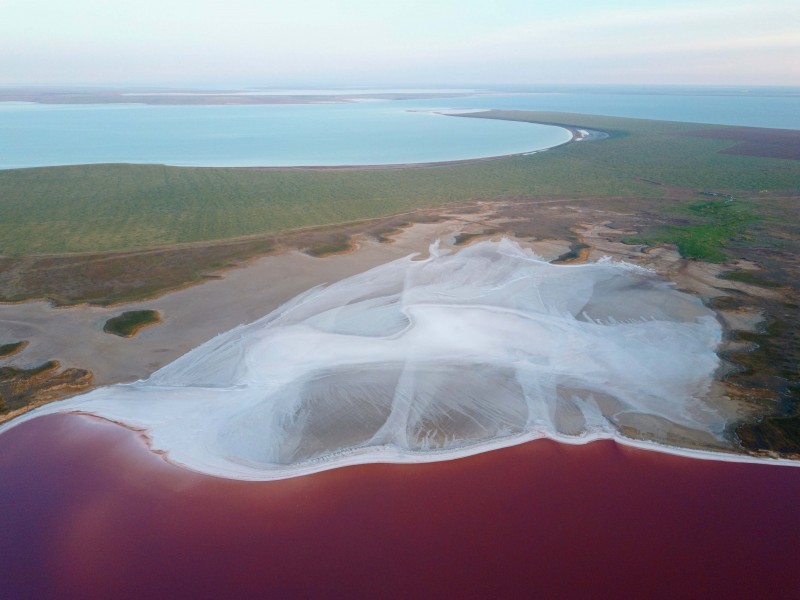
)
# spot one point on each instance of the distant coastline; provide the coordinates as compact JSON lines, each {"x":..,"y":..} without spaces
{"x":197,"y":96}
{"x":183,"y":97}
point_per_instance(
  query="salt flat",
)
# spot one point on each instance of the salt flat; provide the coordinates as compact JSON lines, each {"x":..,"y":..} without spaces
{"x":418,"y":360}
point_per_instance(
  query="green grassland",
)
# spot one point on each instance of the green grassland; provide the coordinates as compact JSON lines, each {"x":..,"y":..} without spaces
{"x":93,"y":208}
{"x":707,"y":228}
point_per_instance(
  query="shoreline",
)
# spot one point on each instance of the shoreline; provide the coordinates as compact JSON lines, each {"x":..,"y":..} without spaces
{"x":390,"y":455}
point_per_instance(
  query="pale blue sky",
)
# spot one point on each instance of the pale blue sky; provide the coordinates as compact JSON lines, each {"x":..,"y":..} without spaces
{"x":369,"y":42}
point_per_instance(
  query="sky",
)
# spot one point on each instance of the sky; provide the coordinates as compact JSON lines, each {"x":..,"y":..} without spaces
{"x":276,"y":43}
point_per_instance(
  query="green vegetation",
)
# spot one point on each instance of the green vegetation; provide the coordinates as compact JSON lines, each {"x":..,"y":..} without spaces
{"x":23,"y":389}
{"x":711,"y":226}
{"x":130,"y":322}
{"x":748,"y":278}
{"x":92,"y":208}
{"x":464,"y":238}
{"x":10,"y":373}
{"x":574,"y":253}
{"x":774,"y":364}
{"x":773,"y":434}
{"x":336,"y":244}
{"x":12,"y":348}
{"x":116,"y":277}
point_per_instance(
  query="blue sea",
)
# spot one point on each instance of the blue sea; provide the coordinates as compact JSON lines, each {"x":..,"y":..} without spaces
{"x":375,"y":132}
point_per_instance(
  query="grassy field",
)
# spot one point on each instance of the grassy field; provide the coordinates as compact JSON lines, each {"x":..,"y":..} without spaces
{"x":707,"y":228}
{"x":116,"y":207}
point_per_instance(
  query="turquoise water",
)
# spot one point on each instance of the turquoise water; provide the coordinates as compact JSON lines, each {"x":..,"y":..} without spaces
{"x":266,"y":135}
{"x":376,"y":132}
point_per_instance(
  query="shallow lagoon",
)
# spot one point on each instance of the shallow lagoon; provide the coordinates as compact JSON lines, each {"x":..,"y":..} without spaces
{"x":262,"y":135}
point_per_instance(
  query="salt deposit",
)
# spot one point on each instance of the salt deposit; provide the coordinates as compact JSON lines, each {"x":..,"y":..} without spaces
{"x":420,"y":360}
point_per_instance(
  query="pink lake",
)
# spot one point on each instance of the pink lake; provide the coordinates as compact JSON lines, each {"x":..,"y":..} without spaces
{"x":87,"y":511}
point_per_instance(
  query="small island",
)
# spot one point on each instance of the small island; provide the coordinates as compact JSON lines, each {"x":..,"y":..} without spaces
{"x":130,"y":322}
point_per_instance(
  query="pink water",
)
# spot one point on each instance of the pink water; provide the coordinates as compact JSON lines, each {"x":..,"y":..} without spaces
{"x":86,"y":511}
